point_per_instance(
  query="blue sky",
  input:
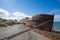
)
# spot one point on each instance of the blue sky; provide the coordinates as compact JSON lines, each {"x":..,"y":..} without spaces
{"x":16,"y":9}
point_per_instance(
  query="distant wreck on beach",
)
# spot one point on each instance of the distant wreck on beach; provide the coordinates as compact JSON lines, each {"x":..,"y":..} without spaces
{"x":41,"y":22}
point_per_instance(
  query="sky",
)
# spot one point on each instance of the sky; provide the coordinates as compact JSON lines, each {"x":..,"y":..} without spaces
{"x":18,"y":9}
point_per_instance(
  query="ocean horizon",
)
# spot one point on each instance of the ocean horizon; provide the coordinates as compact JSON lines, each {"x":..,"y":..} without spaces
{"x":56,"y":26}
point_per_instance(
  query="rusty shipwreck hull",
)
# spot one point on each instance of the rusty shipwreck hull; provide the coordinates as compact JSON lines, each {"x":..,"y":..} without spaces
{"x":43,"y":21}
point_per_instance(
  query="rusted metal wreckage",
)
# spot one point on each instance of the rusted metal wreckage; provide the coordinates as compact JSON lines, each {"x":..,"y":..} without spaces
{"x":41,"y":22}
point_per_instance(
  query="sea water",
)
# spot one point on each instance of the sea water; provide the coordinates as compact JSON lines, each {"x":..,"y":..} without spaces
{"x":56,"y":26}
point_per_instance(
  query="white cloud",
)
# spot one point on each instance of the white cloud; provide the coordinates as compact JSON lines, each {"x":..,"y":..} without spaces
{"x":55,"y":12}
{"x":21,"y":15}
{"x":4,"y":13}
{"x":16,"y":15}
{"x":12,"y":18}
{"x":57,"y":18}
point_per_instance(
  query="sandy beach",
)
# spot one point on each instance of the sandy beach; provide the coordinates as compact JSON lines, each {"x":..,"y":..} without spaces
{"x":30,"y":35}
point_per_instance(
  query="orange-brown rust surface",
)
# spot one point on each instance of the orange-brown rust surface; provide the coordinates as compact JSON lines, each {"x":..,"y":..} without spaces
{"x":28,"y":24}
